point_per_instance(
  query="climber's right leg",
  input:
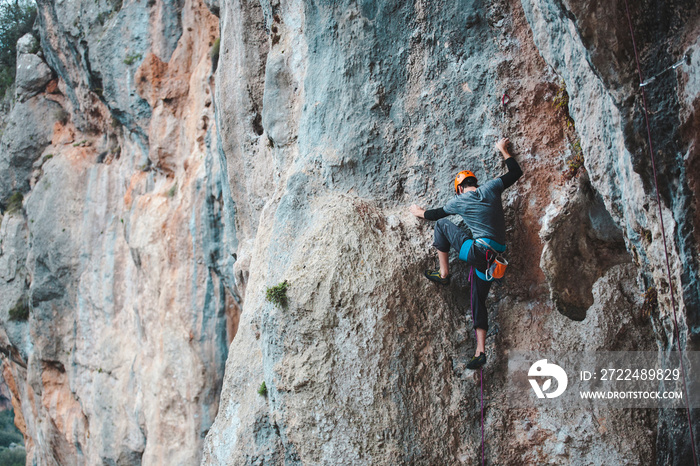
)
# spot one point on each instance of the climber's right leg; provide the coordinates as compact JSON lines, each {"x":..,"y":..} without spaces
{"x":446,"y":235}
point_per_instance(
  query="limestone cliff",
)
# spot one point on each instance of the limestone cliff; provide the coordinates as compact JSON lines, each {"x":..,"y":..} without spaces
{"x":112,"y":239}
{"x":367,"y":107}
{"x":157,"y":180}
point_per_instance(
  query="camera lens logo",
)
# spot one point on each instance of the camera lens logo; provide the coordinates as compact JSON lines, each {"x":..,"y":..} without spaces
{"x":544,"y":369}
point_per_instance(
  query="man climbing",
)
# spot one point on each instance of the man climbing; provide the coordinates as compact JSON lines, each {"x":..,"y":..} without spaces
{"x":482,"y":211}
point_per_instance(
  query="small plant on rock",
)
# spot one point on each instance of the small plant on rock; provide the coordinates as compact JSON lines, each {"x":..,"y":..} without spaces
{"x":14,"y":203}
{"x":561,"y":104}
{"x":575,"y":163}
{"x":132,"y":58}
{"x":20,"y":312}
{"x":215,"y":48}
{"x":61,"y":115}
{"x":172,"y":191}
{"x":262,"y":390}
{"x":214,"y":53}
{"x":278,"y":294}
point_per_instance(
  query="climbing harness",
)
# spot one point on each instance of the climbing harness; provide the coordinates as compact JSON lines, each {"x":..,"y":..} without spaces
{"x":496,"y":264}
{"x":481,"y":370}
{"x":663,"y":230}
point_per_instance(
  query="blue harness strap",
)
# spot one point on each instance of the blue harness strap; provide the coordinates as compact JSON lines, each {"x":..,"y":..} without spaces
{"x":464,"y":251}
{"x":489,"y":243}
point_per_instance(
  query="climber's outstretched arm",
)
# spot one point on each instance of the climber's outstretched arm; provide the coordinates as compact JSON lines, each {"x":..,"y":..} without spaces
{"x":432,"y":214}
{"x":514,"y":170}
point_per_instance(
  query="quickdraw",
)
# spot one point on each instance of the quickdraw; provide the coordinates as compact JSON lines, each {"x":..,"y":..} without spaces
{"x":505,"y":100}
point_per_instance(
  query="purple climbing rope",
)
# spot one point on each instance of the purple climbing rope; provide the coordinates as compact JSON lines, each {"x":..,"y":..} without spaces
{"x":481,"y":375}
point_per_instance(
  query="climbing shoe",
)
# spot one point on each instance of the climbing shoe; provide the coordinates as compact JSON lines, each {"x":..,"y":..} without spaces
{"x":434,"y":276}
{"x":477,"y":361}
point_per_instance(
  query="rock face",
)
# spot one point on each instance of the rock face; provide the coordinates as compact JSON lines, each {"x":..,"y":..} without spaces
{"x":152,"y":191}
{"x":112,"y":200}
{"x":32,"y":72}
{"x":581,"y":241}
{"x":367,"y":107}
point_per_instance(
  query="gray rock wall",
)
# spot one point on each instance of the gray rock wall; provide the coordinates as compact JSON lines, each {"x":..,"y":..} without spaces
{"x":595,"y":61}
{"x":368,"y":107}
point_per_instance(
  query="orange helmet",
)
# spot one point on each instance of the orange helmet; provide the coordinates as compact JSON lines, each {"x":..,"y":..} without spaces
{"x":461,"y":176}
